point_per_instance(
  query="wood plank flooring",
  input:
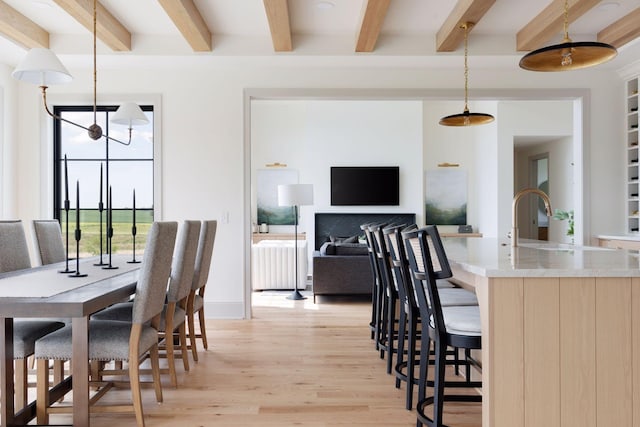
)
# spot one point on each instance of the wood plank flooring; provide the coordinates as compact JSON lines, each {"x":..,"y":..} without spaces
{"x":295,"y":363}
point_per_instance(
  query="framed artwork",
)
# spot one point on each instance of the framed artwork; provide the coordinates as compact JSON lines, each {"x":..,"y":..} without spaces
{"x":267,"y":181}
{"x":446,"y":197}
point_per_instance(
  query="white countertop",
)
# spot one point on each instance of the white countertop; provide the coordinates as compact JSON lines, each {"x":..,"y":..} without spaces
{"x":490,"y":258}
{"x":631,"y":237}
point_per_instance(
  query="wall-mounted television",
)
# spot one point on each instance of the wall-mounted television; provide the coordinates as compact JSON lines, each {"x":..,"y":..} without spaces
{"x":365,"y":185}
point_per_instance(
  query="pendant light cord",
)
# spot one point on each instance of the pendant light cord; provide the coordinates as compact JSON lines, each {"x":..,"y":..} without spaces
{"x":95,"y":71}
{"x":466,"y":26}
{"x":566,"y":21}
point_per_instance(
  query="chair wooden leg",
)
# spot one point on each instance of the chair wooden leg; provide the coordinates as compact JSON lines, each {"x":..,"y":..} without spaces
{"x":183,"y":345}
{"x":203,"y":329}
{"x":42,"y":388}
{"x":134,"y":374}
{"x":192,"y":335}
{"x":21,"y":383}
{"x":58,"y":371}
{"x":155,"y":370}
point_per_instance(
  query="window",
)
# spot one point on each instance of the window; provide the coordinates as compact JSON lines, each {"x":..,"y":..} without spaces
{"x":129,"y":168}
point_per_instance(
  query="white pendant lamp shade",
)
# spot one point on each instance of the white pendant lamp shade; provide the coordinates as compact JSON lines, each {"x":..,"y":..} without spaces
{"x":295,"y":194}
{"x":42,"y":67}
{"x":129,"y":114}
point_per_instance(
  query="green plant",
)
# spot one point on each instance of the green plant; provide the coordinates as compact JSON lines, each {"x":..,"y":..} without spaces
{"x":561,"y":215}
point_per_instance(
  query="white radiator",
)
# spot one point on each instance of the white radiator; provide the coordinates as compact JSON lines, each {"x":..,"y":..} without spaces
{"x":273,"y":264}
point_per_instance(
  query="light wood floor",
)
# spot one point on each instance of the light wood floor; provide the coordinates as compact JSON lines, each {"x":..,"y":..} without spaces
{"x":295,"y":363}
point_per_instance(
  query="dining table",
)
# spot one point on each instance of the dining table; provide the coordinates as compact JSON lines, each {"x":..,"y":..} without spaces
{"x":43,"y":292}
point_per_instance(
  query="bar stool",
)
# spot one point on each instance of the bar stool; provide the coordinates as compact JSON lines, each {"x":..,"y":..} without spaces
{"x":457,"y":327}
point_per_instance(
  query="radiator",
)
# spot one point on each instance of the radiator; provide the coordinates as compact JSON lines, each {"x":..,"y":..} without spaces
{"x":273,"y":264}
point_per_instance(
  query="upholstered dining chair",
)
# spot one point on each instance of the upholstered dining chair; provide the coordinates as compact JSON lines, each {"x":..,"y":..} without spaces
{"x":456,"y":326}
{"x":14,"y":255}
{"x":116,"y":340}
{"x":174,"y":312}
{"x":195,"y":302}
{"x":48,"y":240}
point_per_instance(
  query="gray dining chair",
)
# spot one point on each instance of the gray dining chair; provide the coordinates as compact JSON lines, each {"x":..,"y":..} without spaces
{"x":14,"y":255}
{"x":174,"y":312}
{"x":48,"y":239}
{"x":116,"y":340}
{"x":195,"y":302}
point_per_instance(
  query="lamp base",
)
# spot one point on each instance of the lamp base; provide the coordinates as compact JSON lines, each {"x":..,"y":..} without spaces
{"x":296,"y":295}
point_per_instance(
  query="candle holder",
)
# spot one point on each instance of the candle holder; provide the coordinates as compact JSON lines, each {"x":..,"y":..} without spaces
{"x":78,"y":233}
{"x":100,"y":209}
{"x":77,"y":270}
{"x":134,"y":231}
{"x":110,"y":266}
{"x":66,"y":213}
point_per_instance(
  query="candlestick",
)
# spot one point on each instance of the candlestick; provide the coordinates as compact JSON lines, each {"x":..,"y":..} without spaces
{"x":100,"y":200}
{"x":110,"y":266}
{"x":100,"y":209}
{"x":134,"y":207}
{"x":77,"y":207}
{"x":78,"y":233}
{"x":66,"y":182}
{"x":134,"y":230}
{"x":66,"y":212}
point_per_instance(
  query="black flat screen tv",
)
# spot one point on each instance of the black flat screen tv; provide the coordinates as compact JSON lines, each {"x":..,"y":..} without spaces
{"x":365,"y":186}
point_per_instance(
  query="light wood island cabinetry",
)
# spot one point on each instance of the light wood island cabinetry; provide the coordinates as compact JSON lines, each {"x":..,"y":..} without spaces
{"x":559,"y":346}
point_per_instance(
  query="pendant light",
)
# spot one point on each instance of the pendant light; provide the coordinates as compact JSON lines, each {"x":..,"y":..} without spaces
{"x":41,"y":66}
{"x":568,"y":55}
{"x":466,"y":118}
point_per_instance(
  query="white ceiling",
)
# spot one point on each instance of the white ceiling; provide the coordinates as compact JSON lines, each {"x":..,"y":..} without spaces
{"x":240,"y":29}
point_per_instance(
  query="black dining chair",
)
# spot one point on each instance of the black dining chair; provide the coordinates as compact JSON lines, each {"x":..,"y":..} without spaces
{"x":456,"y":326}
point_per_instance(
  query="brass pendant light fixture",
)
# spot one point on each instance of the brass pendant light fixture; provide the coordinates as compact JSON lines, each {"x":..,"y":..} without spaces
{"x":466,"y":118}
{"x":568,"y":55}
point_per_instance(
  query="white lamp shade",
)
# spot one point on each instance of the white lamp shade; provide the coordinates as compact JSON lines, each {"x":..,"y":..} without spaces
{"x":42,"y":67}
{"x":295,"y":194}
{"x":129,"y":114}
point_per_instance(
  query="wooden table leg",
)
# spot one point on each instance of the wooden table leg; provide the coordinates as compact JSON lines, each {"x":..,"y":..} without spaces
{"x":80,"y":371}
{"x":6,"y":372}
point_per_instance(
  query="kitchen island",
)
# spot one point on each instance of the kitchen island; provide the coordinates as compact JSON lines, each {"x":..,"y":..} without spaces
{"x":560,"y":332}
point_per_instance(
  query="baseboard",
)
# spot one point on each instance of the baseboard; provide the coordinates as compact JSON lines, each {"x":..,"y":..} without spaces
{"x":224,"y":310}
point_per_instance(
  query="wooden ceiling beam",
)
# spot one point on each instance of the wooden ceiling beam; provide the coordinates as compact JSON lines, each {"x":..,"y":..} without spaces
{"x":550,"y":23}
{"x":108,"y":29}
{"x":372,"y":19}
{"x":186,"y":16}
{"x":279,"y":24}
{"x":622,"y":31}
{"x":20,"y":29}
{"x":449,"y":36}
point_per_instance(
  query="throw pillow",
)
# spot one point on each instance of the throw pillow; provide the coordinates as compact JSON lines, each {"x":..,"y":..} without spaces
{"x":350,"y":239}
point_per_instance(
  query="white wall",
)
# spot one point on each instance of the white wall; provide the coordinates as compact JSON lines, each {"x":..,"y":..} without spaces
{"x":203,"y":172}
{"x":561,"y":183}
{"x":311,"y":136}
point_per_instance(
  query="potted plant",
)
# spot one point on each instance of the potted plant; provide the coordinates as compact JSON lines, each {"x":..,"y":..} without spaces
{"x":562,"y":215}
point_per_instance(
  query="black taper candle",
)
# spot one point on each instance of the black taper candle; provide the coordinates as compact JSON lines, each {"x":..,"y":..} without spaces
{"x":78,"y":233}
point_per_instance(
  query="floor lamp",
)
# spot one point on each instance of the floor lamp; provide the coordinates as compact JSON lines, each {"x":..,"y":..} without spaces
{"x":295,"y":195}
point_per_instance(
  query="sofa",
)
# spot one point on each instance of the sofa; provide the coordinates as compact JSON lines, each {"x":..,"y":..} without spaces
{"x":342,"y":268}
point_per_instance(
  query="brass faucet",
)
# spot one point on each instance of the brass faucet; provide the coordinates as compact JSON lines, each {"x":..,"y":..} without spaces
{"x":514,"y":212}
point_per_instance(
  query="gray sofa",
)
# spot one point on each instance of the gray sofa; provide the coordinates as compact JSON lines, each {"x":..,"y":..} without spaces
{"x":342,"y":269}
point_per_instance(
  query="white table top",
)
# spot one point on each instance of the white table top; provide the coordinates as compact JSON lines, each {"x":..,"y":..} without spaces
{"x":45,"y":282}
{"x":490,"y":258}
